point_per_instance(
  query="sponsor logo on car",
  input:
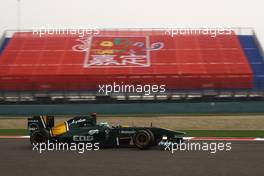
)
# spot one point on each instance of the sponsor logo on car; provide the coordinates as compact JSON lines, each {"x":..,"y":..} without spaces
{"x":128,"y":132}
{"x":92,"y":132}
{"x":83,"y":138}
{"x":76,"y":121}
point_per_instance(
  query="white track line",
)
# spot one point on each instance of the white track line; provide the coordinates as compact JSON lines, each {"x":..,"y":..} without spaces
{"x":222,"y":139}
{"x":184,"y":138}
{"x":259,"y":139}
{"x":14,"y":137}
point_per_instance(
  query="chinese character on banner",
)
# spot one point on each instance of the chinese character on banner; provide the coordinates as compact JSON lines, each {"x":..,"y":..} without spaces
{"x":101,"y":60}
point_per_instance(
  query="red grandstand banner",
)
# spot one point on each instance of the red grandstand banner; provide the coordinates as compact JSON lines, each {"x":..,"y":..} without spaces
{"x":180,"y":62}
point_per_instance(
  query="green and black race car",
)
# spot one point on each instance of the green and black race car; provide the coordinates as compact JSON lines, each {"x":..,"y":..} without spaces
{"x":85,"y":129}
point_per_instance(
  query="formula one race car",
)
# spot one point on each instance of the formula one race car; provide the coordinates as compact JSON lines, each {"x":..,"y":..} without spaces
{"x":85,"y":129}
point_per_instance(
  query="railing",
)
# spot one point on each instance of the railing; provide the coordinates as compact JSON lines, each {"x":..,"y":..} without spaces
{"x":238,"y":30}
{"x":86,"y":96}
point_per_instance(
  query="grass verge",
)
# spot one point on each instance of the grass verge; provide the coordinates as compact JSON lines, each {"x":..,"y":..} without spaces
{"x":192,"y":133}
{"x":13,"y":132}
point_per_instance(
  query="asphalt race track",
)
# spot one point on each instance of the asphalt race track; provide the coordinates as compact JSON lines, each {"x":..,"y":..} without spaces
{"x":17,"y":158}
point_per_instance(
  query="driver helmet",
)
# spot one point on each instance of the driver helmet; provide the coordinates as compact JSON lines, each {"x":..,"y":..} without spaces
{"x":104,"y":124}
{"x":93,"y":115}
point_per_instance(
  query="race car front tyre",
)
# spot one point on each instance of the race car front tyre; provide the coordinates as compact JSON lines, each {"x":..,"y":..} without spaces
{"x":143,"y":139}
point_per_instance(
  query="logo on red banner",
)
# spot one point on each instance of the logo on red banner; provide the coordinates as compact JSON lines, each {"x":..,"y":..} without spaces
{"x":104,"y":51}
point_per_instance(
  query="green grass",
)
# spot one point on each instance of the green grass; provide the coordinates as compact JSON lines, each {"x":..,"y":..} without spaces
{"x":192,"y":133}
{"x":13,"y":132}
{"x":183,"y":114}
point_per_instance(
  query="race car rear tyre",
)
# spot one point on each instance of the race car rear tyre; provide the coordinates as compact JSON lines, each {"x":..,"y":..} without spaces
{"x":39,"y":136}
{"x":143,"y":139}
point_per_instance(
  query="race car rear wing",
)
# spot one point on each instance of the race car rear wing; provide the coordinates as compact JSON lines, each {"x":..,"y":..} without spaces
{"x":40,"y":122}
